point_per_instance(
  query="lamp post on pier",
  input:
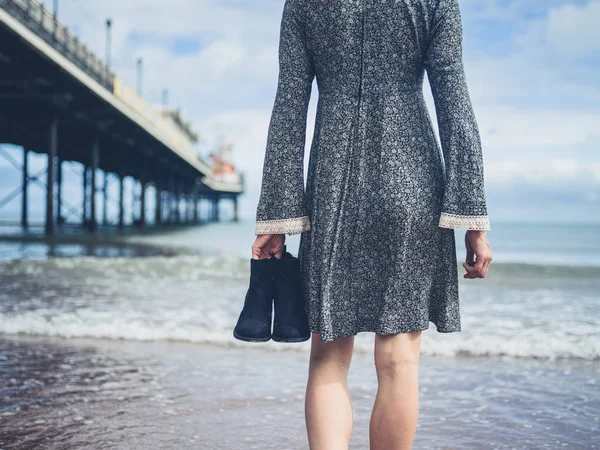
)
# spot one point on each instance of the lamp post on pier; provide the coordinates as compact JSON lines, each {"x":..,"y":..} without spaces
{"x":55,"y":18}
{"x":108,"y":42}
{"x":140,"y":63}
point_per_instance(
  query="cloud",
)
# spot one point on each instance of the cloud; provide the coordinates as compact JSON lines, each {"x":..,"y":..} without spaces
{"x":531,"y":66}
{"x":537,"y":99}
{"x":566,"y":174}
{"x":542,"y":88}
{"x":570,"y":31}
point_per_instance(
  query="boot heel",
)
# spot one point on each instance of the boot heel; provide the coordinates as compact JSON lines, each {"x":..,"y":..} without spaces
{"x":290,"y":323}
{"x":254,"y":321}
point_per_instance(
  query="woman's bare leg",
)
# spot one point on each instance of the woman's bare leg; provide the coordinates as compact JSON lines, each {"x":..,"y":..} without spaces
{"x":396,"y":409}
{"x":328,"y":409}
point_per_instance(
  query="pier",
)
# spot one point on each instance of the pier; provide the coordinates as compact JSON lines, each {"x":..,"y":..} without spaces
{"x":60,"y":100}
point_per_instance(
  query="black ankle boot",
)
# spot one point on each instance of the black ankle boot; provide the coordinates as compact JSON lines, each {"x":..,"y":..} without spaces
{"x":290,"y":323}
{"x":254,"y":322}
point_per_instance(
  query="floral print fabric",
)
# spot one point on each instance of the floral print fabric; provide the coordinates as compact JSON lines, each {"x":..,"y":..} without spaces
{"x":377,"y":248}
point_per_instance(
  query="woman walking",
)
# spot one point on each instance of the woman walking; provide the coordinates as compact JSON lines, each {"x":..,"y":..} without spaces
{"x":377,"y":247}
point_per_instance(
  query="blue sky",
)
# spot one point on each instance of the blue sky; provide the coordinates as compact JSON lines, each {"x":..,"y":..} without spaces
{"x":532,"y":67}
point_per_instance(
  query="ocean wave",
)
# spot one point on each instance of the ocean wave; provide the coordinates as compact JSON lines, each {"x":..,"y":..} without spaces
{"x":468,"y":343}
{"x":229,"y":265}
{"x":548,"y":270}
{"x":519,"y":310}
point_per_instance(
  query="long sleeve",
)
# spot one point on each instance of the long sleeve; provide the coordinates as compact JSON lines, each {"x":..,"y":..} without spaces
{"x":281,"y":208}
{"x":464,"y":202}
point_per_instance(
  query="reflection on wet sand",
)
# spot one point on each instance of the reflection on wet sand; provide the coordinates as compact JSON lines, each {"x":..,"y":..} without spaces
{"x":81,"y":394}
{"x":60,"y":394}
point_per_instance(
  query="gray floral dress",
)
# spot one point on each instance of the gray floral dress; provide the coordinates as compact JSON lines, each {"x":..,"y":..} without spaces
{"x":377,"y":249}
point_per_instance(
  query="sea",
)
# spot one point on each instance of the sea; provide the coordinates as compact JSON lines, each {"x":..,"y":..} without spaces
{"x":127,"y":343}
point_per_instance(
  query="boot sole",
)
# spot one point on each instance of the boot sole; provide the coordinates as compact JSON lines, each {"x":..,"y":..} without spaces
{"x":249,"y":339}
{"x":301,"y":339}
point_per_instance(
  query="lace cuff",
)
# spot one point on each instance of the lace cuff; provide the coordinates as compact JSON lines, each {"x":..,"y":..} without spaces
{"x":294,"y":225}
{"x":448,"y":220}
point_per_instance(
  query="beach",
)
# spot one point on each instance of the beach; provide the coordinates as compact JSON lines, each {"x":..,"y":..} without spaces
{"x":135,"y":350}
{"x":117,"y":394}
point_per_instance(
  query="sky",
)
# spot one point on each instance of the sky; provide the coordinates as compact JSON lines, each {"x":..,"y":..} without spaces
{"x":532,"y":68}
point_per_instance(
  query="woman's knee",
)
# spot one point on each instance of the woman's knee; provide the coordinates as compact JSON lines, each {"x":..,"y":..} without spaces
{"x":396,"y":354}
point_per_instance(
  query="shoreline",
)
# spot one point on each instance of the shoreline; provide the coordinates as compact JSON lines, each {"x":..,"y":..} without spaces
{"x":184,"y":395}
{"x":297,"y":349}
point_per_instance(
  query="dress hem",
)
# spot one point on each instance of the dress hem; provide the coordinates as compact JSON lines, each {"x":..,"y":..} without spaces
{"x":381,"y":332}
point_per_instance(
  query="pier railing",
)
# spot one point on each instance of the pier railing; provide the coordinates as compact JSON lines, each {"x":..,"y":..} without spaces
{"x":43,"y":22}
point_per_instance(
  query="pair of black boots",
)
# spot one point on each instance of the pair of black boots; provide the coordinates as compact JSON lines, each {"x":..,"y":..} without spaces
{"x":274,"y":284}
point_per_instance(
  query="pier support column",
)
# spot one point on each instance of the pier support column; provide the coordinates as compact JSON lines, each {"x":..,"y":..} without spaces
{"x":183,"y":199}
{"x":142,"y":201}
{"x":235,"y":208}
{"x":105,"y":199}
{"x":201,"y":207}
{"x":216,"y":208}
{"x":167,"y":201}
{"x":59,"y":165}
{"x":172,"y":201}
{"x":134,"y":199}
{"x":52,"y":150}
{"x":177,"y":205}
{"x":207,"y":208}
{"x":158,"y":211}
{"x":172,"y":206}
{"x":188,"y":208}
{"x":121,"y":199}
{"x":25,"y":180}
{"x":195,"y":200}
{"x":94,"y":168}
{"x":85,"y":195}
{"x":121,"y":174}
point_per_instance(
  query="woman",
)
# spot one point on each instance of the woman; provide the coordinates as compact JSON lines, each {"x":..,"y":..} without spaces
{"x":382,"y":200}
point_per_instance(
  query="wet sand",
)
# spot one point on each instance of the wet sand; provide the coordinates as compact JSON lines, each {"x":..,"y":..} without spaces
{"x":87,"y":393}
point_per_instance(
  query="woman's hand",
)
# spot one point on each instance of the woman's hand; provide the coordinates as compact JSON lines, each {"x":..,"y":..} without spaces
{"x":266,"y":245}
{"x":478,"y":250}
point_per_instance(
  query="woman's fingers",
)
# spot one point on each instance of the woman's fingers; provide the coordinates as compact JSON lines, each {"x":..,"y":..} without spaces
{"x":260,"y":252}
{"x":470,"y":271}
{"x":478,"y":250}
{"x":487,"y":259}
{"x":480,"y":269}
{"x":470,"y":257}
{"x":259,"y":246}
{"x":267,"y":245}
{"x":255,"y":251}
